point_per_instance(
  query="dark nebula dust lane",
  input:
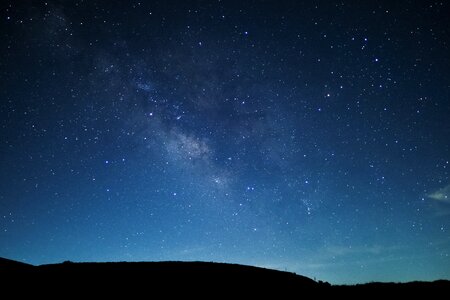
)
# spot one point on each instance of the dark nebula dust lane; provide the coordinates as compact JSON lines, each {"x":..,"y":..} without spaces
{"x":311,"y":137}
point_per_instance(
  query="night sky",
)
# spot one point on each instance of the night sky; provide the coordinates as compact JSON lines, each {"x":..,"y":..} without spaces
{"x":309,"y":137}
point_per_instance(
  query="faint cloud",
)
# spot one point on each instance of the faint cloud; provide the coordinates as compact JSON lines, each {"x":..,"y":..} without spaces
{"x":374,"y":250}
{"x":441,"y":195}
{"x":191,"y":251}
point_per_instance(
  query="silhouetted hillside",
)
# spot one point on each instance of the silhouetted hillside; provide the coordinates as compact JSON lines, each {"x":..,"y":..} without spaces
{"x":179,"y":272}
{"x":176,"y":276}
{"x":182,"y":277}
{"x":8,"y":265}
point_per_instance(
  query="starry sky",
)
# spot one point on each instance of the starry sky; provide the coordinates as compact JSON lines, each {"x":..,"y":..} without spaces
{"x":307,"y":136}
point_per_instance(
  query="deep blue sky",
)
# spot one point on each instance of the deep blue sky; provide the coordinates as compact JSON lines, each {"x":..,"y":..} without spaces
{"x":310,"y":137}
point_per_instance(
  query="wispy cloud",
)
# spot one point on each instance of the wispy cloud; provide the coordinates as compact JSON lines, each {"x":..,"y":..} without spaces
{"x":372,"y":250}
{"x":442,"y":195}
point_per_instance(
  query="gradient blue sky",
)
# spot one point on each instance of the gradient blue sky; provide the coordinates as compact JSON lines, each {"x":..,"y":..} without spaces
{"x":306,"y":136}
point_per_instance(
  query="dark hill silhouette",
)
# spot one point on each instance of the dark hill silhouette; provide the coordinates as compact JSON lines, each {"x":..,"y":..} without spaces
{"x":13,"y":266}
{"x":178,"y":273}
{"x":181,"y":278}
{"x":156,"y":276}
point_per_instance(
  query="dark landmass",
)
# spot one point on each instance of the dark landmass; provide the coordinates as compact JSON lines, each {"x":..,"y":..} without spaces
{"x":8,"y":265}
{"x":182,"y":277}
